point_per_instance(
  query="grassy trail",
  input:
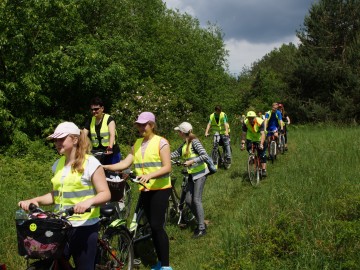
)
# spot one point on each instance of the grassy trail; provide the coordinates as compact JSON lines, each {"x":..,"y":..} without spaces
{"x":304,"y":215}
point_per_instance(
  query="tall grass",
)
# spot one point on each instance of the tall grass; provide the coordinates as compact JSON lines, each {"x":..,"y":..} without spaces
{"x":304,"y":215}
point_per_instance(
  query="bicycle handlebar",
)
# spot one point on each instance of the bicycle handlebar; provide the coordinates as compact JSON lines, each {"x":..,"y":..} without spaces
{"x":33,"y":208}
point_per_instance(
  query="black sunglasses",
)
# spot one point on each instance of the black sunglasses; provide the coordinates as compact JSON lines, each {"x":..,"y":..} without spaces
{"x":95,"y":109}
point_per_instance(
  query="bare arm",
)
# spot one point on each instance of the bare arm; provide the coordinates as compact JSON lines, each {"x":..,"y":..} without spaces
{"x":112,"y":133}
{"x":288,"y":120}
{"x":46,"y":199}
{"x":86,"y":131}
{"x":122,"y":165}
{"x":102,"y":192}
{"x":207,"y":130}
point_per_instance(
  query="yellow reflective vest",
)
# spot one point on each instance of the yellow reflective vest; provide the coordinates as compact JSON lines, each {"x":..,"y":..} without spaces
{"x":196,"y":168}
{"x":218,"y":127}
{"x":72,"y":190}
{"x":253,"y":132}
{"x":104,"y":132}
{"x":151,"y":162}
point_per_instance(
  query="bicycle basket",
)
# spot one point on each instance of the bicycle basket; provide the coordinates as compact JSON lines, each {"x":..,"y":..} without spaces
{"x":42,"y":238}
{"x":116,"y":186}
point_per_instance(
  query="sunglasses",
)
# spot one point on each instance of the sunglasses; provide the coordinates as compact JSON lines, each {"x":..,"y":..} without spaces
{"x":95,"y":109}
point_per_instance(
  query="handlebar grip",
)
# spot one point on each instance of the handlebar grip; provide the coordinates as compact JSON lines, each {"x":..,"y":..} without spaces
{"x":70,"y":211}
{"x":32,"y":207}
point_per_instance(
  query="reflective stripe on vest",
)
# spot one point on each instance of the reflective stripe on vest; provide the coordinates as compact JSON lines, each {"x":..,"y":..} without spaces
{"x":104,"y":132}
{"x":71,"y":190}
{"x":253,"y":134}
{"x":196,"y":168}
{"x":150,"y":163}
{"x":218,"y":127}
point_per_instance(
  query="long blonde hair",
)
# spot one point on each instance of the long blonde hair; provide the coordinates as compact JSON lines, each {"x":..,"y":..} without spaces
{"x":83,"y":148}
{"x":189,"y":138}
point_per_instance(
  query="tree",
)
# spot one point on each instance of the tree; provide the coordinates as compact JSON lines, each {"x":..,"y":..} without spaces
{"x":328,"y":66}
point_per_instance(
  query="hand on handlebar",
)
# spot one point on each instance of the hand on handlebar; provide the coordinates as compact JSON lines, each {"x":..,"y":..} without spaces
{"x":261,"y":146}
{"x":27,"y":204}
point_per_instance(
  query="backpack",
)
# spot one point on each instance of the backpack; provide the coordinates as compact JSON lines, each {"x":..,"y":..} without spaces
{"x":210,"y":164}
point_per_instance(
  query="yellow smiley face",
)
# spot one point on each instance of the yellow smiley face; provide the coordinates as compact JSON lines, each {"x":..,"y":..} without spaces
{"x":33,"y":227}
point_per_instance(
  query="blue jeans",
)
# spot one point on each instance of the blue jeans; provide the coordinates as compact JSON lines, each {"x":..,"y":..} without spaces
{"x":194,"y":199}
{"x":225,"y":144}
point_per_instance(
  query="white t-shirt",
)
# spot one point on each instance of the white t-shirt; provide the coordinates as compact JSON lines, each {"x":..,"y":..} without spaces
{"x":90,"y":167}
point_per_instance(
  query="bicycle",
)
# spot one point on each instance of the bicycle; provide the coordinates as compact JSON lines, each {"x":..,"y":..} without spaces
{"x":254,"y":165}
{"x":281,"y":145}
{"x":178,"y":209}
{"x":119,"y":188}
{"x":217,"y":155}
{"x":43,"y":236}
{"x":272,"y":146}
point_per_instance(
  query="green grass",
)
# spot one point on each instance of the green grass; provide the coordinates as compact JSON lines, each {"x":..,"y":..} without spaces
{"x":304,"y":215}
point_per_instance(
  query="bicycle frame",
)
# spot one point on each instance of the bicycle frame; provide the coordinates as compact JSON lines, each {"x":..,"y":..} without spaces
{"x":177,"y":204}
{"x":217,"y":155}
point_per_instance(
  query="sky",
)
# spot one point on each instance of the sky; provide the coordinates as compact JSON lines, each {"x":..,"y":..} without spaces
{"x":251,"y":28}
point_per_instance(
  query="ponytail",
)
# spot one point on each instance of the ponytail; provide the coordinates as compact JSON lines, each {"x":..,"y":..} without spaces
{"x":83,"y":148}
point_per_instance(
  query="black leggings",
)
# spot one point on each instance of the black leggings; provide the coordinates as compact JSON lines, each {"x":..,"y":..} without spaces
{"x":82,"y":245}
{"x":155,"y":203}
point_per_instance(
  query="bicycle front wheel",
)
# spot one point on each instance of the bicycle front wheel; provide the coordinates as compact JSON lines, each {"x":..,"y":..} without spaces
{"x":186,"y":215}
{"x":252,"y":171}
{"x":215,"y":157}
{"x":272,"y":151}
{"x":119,"y":252}
{"x":282,"y":144}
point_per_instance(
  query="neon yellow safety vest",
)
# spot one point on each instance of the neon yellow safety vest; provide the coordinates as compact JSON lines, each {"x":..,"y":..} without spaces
{"x":71,"y":190}
{"x":253,"y":132}
{"x":196,"y":168}
{"x":218,"y":127}
{"x":104,"y":132}
{"x":151,"y":162}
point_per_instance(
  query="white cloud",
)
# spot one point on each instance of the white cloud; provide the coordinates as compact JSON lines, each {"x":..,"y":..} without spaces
{"x":243,"y":53}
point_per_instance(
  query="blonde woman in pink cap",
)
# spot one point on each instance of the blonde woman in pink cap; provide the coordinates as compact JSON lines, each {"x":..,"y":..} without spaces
{"x":76,"y":169}
{"x":151,"y":158}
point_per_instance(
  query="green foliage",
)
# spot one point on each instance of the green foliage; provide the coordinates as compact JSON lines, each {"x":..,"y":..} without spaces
{"x":328,"y":64}
{"x":57,"y":55}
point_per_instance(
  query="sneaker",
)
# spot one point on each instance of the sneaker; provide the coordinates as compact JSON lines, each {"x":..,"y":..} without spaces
{"x":166,"y":268}
{"x":264,"y":174}
{"x":198,"y":233}
{"x":157,"y":266}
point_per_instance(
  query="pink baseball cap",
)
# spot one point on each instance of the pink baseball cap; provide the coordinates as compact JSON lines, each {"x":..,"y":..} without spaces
{"x":64,"y":129}
{"x":145,"y":117}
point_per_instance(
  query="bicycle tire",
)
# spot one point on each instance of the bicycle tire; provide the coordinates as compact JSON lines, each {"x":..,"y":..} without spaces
{"x":187,"y":216}
{"x":215,"y":157}
{"x":282,"y":144}
{"x":272,"y":150}
{"x":127,"y":200}
{"x":143,"y":230}
{"x":121,"y":246}
{"x":172,"y":210}
{"x":258,"y":171}
{"x":252,"y":170}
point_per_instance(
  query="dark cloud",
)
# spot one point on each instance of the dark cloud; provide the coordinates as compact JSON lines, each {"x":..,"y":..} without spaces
{"x":256,"y":21}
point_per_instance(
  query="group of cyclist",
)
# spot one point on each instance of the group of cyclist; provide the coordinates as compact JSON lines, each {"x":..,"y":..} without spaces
{"x":256,"y":128}
{"x":79,"y":178}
